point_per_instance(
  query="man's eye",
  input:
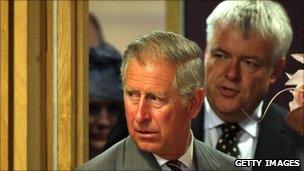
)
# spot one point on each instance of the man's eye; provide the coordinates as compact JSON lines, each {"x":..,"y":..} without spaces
{"x":250,"y":64}
{"x":219,"y":56}
{"x":134,"y":96}
{"x":154,"y":98}
{"x":156,"y":101}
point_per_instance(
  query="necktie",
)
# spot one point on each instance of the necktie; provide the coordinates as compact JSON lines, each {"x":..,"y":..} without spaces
{"x":227,"y":143}
{"x":174,"y":165}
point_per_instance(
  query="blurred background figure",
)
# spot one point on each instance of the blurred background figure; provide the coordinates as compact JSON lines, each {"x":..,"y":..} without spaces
{"x":105,"y":92}
{"x":95,"y":32}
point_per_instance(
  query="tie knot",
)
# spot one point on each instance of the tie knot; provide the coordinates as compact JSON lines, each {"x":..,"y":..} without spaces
{"x":230,"y":128}
{"x":174,"y":165}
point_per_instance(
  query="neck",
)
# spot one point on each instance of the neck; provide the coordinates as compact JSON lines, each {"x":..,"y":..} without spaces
{"x":177,"y":152}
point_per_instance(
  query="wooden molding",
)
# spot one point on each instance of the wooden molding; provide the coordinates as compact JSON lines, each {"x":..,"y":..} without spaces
{"x":82,"y":74}
{"x":43,"y":85}
{"x":4,"y":82}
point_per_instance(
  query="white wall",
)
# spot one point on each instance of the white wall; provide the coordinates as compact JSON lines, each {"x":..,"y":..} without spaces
{"x":123,"y":21}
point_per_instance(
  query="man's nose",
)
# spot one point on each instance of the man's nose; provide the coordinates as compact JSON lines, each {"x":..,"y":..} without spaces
{"x":142,"y":113}
{"x":233,"y":71}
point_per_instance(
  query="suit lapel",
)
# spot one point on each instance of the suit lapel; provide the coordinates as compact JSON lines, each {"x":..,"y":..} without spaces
{"x":271,"y":140}
{"x":202,"y":159}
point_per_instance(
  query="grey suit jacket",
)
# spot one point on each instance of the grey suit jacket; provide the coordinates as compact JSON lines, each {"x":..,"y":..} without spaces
{"x":125,"y":155}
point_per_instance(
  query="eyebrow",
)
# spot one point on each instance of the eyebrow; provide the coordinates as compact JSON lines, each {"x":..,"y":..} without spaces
{"x":158,"y":94}
{"x":161,"y":94}
{"x":219,"y":49}
{"x":242,"y":56}
{"x":253,"y":57}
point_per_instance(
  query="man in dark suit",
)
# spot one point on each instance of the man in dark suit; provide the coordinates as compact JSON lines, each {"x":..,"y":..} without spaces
{"x":247,"y":42}
{"x":161,"y":74}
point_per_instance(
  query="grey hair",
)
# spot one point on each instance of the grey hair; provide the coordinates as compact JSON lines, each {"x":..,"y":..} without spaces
{"x":184,"y":55}
{"x":266,"y":18}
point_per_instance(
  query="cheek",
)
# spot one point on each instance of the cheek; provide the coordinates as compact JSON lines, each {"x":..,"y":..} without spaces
{"x":128,"y":106}
{"x":129,"y":113}
{"x":178,"y":116}
{"x":211,"y":78}
{"x":208,"y":67}
{"x":257,"y":85}
{"x":214,"y":71}
{"x":163,"y":118}
{"x":208,"y":76}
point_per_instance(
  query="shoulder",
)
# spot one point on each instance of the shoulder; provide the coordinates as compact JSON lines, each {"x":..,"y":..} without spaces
{"x":214,"y":159}
{"x":278,"y":110}
{"x":107,"y":159}
{"x":274,"y":132}
{"x":276,"y":118}
{"x":125,"y":155}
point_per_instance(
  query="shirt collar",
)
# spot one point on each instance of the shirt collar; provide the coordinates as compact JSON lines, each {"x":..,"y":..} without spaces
{"x":248,"y":125}
{"x":211,"y":119}
{"x":186,"y":159}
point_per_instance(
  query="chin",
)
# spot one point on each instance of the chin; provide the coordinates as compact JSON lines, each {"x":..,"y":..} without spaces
{"x":97,"y":144}
{"x":228,"y":110}
{"x":228,"y":106}
{"x":148,"y":146}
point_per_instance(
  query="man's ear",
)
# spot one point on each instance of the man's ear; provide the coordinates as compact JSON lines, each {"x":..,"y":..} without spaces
{"x":278,"y":69}
{"x":195,"y":103}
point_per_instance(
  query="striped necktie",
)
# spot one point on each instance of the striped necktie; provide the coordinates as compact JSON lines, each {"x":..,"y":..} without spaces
{"x":174,"y":165}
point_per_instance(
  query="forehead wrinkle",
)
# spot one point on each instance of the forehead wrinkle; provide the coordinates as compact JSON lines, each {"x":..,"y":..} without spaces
{"x":149,"y":76}
{"x":151,"y":87}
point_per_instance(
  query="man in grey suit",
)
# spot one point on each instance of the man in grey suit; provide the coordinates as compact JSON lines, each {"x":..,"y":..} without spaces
{"x":162,"y":75}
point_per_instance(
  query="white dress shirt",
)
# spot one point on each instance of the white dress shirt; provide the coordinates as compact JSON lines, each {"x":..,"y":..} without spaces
{"x":186,"y":159}
{"x":247,"y":136}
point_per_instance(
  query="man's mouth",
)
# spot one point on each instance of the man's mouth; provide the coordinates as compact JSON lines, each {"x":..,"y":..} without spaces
{"x":228,"y":92}
{"x":146,"y":134}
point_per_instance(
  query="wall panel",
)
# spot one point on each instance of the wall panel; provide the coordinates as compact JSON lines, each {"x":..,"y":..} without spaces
{"x":43,"y":85}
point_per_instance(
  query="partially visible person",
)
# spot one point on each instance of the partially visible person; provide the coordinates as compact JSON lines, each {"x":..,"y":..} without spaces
{"x":162,"y":75}
{"x":105,"y":97}
{"x":247,"y":42}
{"x":95,"y":32}
{"x":105,"y":91}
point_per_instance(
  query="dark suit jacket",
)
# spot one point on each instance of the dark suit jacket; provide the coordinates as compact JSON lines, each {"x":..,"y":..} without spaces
{"x":275,"y":141}
{"x":125,"y":155}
